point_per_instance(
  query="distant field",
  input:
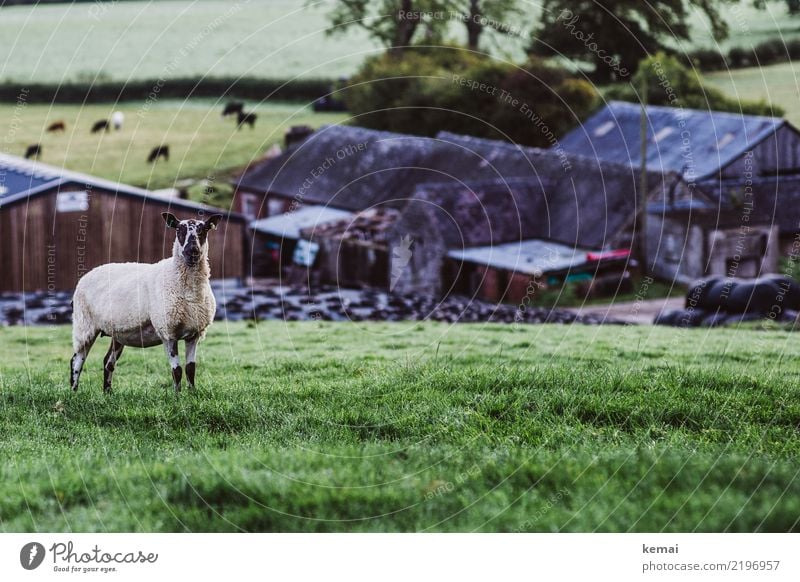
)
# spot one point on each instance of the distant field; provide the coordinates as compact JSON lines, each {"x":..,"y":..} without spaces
{"x":201,"y":142}
{"x":778,"y":84}
{"x":408,"y":427}
{"x":257,"y":38}
{"x":126,"y":40}
{"x":135,"y":40}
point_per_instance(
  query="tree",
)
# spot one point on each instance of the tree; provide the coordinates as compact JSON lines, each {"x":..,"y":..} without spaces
{"x":530,"y":104}
{"x":397,"y":24}
{"x":614,"y":35}
{"x":393,"y":23}
{"x":480,"y":15}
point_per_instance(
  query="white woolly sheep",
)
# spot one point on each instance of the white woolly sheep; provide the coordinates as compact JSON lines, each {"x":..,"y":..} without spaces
{"x":143,"y":305}
{"x":117,"y":119}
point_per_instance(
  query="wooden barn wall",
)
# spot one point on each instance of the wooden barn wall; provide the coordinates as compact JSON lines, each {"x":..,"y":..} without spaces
{"x":781,"y":151}
{"x":42,"y":249}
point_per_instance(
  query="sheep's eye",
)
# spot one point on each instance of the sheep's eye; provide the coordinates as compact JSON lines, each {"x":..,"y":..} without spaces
{"x":182,"y":233}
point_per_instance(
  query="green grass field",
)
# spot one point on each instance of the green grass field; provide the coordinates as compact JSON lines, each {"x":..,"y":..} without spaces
{"x":778,"y":84}
{"x":408,"y":427}
{"x":201,"y":142}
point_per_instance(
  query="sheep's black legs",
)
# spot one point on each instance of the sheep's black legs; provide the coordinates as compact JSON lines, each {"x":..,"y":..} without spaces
{"x":171,"y":347}
{"x":77,"y":361}
{"x":191,"y":352}
{"x":110,"y":362}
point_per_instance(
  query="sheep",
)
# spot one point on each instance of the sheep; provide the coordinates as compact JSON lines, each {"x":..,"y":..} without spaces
{"x":143,"y":304}
{"x":117,"y":119}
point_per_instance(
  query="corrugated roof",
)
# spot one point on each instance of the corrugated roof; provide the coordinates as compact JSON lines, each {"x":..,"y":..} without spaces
{"x":530,"y":257}
{"x":289,"y":224}
{"x":31,"y":178}
{"x":691,"y":142}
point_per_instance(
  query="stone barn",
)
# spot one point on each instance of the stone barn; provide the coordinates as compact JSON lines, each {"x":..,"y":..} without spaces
{"x":55,"y":225}
{"x":361,"y":171}
{"x":694,"y":233}
{"x":492,"y":238}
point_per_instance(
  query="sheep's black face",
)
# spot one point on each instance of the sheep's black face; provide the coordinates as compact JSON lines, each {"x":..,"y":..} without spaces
{"x":192,"y":236}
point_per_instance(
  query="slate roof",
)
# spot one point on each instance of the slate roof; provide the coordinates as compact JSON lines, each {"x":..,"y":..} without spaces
{"x":21,"y":179}
{"x":586,"y":200}
{"x":585,"y":204}
{"x":691,"y":142}
{"x":386,"y":170}
{"x":18,"y":176}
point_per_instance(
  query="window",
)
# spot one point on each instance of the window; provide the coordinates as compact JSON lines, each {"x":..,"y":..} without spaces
{"x":250,"y":205}
{"x":725,"y":140}
{"x":604,"y":129}
{"x":662,"y":133}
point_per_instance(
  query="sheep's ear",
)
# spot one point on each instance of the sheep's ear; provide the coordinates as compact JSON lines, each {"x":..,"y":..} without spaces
{"x":170,"y":219}
{"x":211,"y":221}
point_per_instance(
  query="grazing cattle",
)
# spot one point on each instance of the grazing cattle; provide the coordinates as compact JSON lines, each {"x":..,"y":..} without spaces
{"x":34,"y":151}
{"x":232,"y":107}
{"x":144,"y":305}
{"x":159,"y":152}
{"x":100,"y":126}
{"x":248,"y":118}
{"x":117,"y":119}
{"x":56,"y":126}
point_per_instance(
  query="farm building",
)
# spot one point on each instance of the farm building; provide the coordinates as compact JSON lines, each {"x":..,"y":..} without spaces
{"x":492,"y":239}
{"x":745,"y":166}
{"x":353,"y":169}
{"x":384,"y":191}
{"x":694,"y":144}
{"x":278,"y":235}
{"x":694,"y":233}
{"x":55,"y":225}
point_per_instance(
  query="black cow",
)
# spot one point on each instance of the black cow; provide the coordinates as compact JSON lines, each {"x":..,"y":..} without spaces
{"x":232,"y":107}
{"x":248,"y":118}
{"x":100,"y":126}
{"x":158,"y":152}
{"x":34,"y":151}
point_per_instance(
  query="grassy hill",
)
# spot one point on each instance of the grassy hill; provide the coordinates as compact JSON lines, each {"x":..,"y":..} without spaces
{"x":408,"y":427}
{"x":201,"y":142}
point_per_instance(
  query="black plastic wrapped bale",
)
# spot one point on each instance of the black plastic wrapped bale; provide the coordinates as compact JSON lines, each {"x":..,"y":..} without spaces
{"x":754,"y":297}
{"x":790,"y":290}
{"x":697,"y":295}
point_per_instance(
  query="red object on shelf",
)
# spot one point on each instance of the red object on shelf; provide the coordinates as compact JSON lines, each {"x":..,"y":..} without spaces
{"x":608,"y":255}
